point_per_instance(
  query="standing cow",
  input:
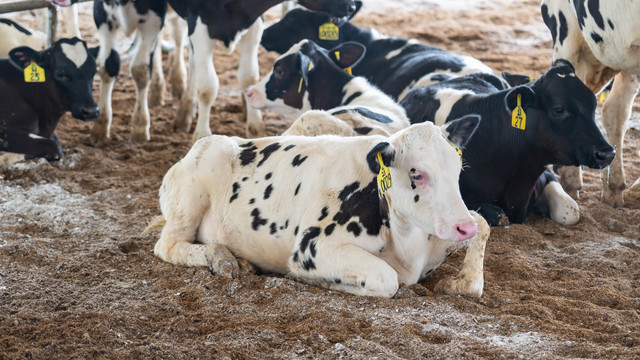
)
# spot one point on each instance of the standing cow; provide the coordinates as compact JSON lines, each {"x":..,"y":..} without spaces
{"x":287,"y":206}
{"x":37,"y":88}
{"x":523,"y":129}
{"x":601,"y":39}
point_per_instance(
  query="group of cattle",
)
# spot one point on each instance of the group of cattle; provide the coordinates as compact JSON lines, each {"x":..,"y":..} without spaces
{"x":422,"y":134}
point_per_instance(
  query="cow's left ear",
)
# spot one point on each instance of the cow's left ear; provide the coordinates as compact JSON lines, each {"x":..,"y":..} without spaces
{"x":306,"y":67}
{"x":22,"y":56}
{"x":347,"y":54}
{"x":387,"y":152}
{"x":516,"y":79}
{"x":527,"y":97}
{"x":94,"y":51}
{"x":459,"y":131}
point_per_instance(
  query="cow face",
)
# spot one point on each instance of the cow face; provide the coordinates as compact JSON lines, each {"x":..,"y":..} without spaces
{"x":340,"y":10}
{"x":425,"y":168}
{"x":563,"y":122}
{"x":299,"y":24}
{"x":287,"y":87}
{"x":72,"y":66}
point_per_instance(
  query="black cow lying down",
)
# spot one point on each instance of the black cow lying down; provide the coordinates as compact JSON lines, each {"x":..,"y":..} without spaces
{"x":37,"y":88}
{"x":550,"y":120}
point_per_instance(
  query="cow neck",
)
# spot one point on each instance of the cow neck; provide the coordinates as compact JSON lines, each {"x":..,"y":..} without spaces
{"x":46,"y":99}
{"x":354,"y":33}
{"x":326,"y":86}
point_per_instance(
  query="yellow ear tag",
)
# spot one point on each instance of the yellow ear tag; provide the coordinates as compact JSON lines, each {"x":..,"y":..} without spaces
{"x":531,"y":79}
{"x":33,"y":73}
{"x":603,"y":96}
{"x":458,"y":151}
{"x":329,"y":31}
{"x":302,"y":79}
{"x":384,"y":177}
{"x":518,"y":117}
{"x":348,"y":69}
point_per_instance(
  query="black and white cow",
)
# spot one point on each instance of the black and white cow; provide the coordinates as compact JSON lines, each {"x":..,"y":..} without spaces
{"x":394,"y":65}
{"x":37,"y":88}
{"x":287,"y":206}
{"x":14,"y":34}
{"x":601,"y":39}
{"x":506,"y":159}
{"x":309,"y":77}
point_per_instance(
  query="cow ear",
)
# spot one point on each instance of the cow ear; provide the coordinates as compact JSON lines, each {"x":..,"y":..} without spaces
{"x":22,"y":56}
{"x":358,"y":6}
{"x":387,"y":152}
{"x":527,"y":97}
{"x":348,"y":54}
{"x":459,"y":131}
{"x":516,"y":79}
{"x":306,"y":67}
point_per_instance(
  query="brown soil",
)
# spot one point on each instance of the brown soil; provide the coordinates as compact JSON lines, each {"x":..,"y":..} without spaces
{"x":77,"y":281}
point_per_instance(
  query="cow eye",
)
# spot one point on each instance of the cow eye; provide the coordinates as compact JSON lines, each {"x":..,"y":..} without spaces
{"x":61,"y":76}
{"x":559,"y":111}
{"x":278,"y":73}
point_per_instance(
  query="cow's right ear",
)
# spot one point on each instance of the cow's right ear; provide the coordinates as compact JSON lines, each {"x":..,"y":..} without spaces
{"x":22,"y":56}
{"x":516,"y":79}
{"x":358,"y":6}
{"x":387,"y":152}
{"x":527,"y":98}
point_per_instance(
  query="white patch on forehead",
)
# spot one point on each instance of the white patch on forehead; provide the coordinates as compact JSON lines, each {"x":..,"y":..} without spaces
{"x":76,"y":53}
{"x":34,"y":136}
{"x":295,"y":48}
{"x":561,"y":75}
{"x":447,"y":98}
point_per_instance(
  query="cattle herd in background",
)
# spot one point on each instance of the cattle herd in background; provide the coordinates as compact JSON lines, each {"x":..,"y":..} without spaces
{"x":419,"y":132}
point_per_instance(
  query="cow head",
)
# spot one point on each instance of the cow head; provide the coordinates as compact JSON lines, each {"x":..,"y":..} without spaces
{"x":306,"y":77}
{"x":425,"y":168}
{"x":563,"y":118}
{"x":340,"y":10}
{"x":299,"y":24}
{"x":72,"y":66}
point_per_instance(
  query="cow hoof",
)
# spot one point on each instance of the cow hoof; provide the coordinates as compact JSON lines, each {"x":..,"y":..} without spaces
{"x":223,"y":263}
{"x":183,"y":121}
{"x":98,"y":137}
{"x":246,"y":267}
{"x":460,"y":286}
{"x":140,"y":136}
{"x":613,"y":197}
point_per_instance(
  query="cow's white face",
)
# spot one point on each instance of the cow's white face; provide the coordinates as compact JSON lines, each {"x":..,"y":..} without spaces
{"x":425,"y":191}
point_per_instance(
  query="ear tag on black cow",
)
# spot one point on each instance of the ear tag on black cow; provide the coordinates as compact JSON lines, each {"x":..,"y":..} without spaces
{"x":603,"y":95}
{"x":329,"y":31}
{"x":34,"y":73}
{"x":518,"y":117}
{"x":531,"y":79}
{"x":458,"y":151}
{"x":302,"y":79}
{"x":384,"y":177}
{"x":347,"y":69}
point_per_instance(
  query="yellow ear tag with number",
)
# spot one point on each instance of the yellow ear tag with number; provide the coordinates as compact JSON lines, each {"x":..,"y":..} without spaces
{"x":329,"y":31}
{"x":518,"y":117}
{"x":384,"y":177}
{"x":33,"y":73}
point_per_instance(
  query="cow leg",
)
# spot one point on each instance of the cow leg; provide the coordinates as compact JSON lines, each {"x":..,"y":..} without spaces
{"x":70,"y":23}
{"x":571,"y":180}
{"x":32,"y":145}
{"x":177,"y":67}
{"x":108,"y":67}
{"x":615,"y":113}
{"x":141,"y":73}
{"x":470,"y":279}
{"x":249,"y":74}
{"x":563,"y":209}
{"x":158,"y":84}
{"x":344,"y":267}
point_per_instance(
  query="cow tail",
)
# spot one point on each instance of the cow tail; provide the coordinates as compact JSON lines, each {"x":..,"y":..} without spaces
{"x":157,"y":223}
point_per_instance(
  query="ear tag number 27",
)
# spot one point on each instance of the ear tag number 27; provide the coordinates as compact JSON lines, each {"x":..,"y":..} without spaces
{"x":384,"y":177}
{"x":518,"y":117}
{"x":33,"y":73}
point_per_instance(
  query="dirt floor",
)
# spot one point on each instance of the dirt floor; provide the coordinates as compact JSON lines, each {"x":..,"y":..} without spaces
{"x":78,"y":281}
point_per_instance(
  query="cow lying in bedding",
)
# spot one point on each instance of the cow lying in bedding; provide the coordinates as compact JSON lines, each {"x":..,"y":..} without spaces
{"x":287,"y":206}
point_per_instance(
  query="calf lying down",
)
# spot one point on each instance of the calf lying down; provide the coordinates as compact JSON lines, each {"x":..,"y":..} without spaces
{"x":287,"y":206}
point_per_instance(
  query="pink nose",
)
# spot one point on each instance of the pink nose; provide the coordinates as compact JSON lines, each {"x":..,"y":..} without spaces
{"x":249,"y":93}
{"x":466,"y":231}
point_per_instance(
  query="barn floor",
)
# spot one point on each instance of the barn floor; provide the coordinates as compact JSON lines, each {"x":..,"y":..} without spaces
{"x":78,"y":281}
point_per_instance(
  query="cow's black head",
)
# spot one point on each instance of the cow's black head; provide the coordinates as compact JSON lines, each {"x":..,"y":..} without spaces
{"x":306,"y":77}
{"x":562,"y":118}
{"x":299,"y":24}
{"x":72,"y":66}
{"x":340,"y":10}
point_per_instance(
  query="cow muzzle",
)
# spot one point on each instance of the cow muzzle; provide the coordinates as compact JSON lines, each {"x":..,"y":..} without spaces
{"x":87,"y":113}
{"x":604,"y":156}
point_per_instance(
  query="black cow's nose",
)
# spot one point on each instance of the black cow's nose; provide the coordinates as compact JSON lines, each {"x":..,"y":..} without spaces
{"x":604,"y":157}
{"x":90,"y":112}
